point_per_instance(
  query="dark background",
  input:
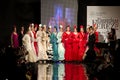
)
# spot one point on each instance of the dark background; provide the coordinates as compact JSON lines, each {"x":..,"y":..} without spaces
{"x":23,"y":12}
{"x":17,"y":12}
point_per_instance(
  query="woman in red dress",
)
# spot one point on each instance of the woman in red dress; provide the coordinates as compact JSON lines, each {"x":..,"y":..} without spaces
{"x":67,"y":40}
{"x":82,"y":43}
{"x":75,"y":45}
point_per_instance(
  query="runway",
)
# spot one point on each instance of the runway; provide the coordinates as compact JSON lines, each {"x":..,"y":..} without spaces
{"x":13,"y":69}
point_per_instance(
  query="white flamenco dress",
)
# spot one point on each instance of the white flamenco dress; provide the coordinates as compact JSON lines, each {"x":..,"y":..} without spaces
{"x":31,"y":57}
{"x":41,"y":51}
{"x":61,"y":49}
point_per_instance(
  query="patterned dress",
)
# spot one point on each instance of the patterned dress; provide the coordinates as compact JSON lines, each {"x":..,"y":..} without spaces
{"x":41,"y":54}
{"x":54,"y":43}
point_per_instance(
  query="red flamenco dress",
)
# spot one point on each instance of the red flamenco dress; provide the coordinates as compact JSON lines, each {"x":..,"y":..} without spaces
{"x":82,"y":44}
{"x":75,"y":46}
{"x":67,"y":40}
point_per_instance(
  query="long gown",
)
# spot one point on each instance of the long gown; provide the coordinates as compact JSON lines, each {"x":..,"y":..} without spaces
{"x":53,"y":40}
{"x":41,"y":54}
{"x":61,"y":49}
{"x":27,"y":43}
{"x":48,"y":41}
{"x":32,"y":42}
{"x":67,"y":40}
{"x":75,"y":46}
{"x":44,"y":42}
{"x":49,"y":46}
{"x":91,"y":56}
{"x":82,"y":45}
{"x":35,"y":43}
{"x":14,"y":40}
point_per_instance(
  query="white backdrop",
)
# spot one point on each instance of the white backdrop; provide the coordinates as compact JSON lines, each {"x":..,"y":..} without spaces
{"x":105,"y":17}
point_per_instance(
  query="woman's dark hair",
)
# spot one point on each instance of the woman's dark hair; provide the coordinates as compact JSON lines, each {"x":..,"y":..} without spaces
{"x":113,"y":31}
{"x":55,"y":27}
{"x":91,"y":27}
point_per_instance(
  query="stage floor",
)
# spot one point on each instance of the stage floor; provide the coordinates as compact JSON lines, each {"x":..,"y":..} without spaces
{"x":60,"y":71}
{"x":98,"y":69}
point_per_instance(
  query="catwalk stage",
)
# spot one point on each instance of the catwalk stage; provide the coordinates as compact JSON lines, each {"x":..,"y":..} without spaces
{"x":104,"y":13}
{"x":55,"y":70}
{"x":59,"y":71}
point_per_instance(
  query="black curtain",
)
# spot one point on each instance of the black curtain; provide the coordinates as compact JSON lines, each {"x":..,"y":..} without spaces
{"x":27,"y":12}
{"x":81,"y":19}
{"x":17,"y":12}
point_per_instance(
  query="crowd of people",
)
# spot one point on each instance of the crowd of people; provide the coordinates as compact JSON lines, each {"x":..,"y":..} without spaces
{"x":67,"y":45}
